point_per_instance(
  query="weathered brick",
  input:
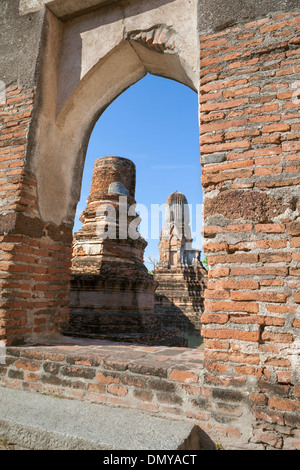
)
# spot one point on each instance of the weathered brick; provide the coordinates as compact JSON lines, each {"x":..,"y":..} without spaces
{"x":250,"y":307}
{"x":270,"y":228}
{"x":231,"y":334}
{"x":107,"y":379}
{"x":282,"y":404}
{"x":233,"y":258}
{"x":211,"y":318}
{"x":80,"y":372}
{"x":260,"y":296}
{"x":117,"y":390}
{"x":185,"y":376}
{"x":143,"y":395}
{"x":277,"y":337}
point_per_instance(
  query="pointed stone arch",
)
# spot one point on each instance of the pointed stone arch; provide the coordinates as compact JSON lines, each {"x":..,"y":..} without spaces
{"x":86,"y":78}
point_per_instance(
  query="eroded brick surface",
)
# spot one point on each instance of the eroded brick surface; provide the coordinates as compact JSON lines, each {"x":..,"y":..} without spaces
{"x":112,"y":293}
{"x":249,"y":146}
{"x":160,"y":379}
{"x":34,"y":266}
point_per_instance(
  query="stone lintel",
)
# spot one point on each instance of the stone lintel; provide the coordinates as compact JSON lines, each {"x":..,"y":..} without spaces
{"x":63,"y":9}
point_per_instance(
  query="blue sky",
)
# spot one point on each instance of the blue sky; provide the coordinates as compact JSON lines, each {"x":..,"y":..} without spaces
{"x":155,"y":124}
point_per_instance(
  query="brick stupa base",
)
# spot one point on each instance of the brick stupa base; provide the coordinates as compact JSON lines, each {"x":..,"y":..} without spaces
{"x":112,"y":293}
{"x":181,"y":277}
{"x":179,"y":297}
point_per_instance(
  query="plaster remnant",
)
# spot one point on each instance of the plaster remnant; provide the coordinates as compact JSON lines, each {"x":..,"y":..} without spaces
{"x":161,"y":38}
{"x":246,"y":205}
{"x":118,"y":188}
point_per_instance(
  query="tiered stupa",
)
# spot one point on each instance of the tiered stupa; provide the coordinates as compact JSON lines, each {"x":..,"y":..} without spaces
{"x":112,"y":293}
{"x":180,"y":274}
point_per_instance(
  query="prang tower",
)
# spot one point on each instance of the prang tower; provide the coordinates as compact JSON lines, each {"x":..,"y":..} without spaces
{"x":112,"y":293}
{"x":180,"y":274}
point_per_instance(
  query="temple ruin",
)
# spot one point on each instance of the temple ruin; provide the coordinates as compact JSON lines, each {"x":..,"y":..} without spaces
{"x":112,"y":293}
{"x":181,"y":276}
{"x":62,"y":64}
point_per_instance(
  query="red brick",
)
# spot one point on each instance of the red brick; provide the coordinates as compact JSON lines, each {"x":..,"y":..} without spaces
{"x":224,"y":146}
{"x":263,"y":296}
{"x":211,"y":61}
{"x":249,"y":307}
{"x":231,"y":334}
{"x":274,"y":244}
{"x":210,"y":97}
{"x":257,"y":23}
{"x":210,"y":139}
{"x":268,"y":170}
{"x":265,"y":118}
{"x":233,"y":284}
{"x":240,"y":91}
{"x":214,"y":318}
{"x":277,"y":337}
{"x":275,"y":257}
{"x":277,"y":362}
{"x":280,"y":308}
{"x":290,"y":146}
{"x":283,"y":404}
{"x":215,"y":344}
{"x":241,"y":134}
{"x":270,"y":228}
{"x":27,"y":365}
{"x":215,"y":43}
{"x":294,"y":228}
{"x":271,"y":282}
{"x":216,"y":294}
{"x":267,"y":139}
{"x":116,"y":390}
{"x":233,"y":258}
{"x":218,"y":272}
{"x":296,"y":256}
{"x":295,"y":271}
{"x":224,"y":124}
{"x":245,"y":63}
{"x":183,"y":376}
{"x":225,"y":176}
{"x":208,"y":118}
{"x":226,"y":166}
{"x":259,"y":399}
{"x":284,"y":376}
{"x":224,"y":105}
{"x":107,"y":379}
{"x":215,"y":247}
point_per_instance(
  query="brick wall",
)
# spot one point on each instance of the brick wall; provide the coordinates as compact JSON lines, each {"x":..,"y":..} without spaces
{"x":35,"y":256}
{"x":249,"y":130}
{"x":248,"y":393}
{"x":153,"y":379}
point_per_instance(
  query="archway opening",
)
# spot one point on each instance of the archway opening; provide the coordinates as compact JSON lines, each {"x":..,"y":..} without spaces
{"x":155,"y":124}
{"x":87,"y":79}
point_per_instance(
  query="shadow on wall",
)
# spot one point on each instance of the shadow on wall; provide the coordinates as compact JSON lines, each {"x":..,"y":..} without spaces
{"x":195,"y":287}
{"x":179,"y":301}
{"x":173,"y":316}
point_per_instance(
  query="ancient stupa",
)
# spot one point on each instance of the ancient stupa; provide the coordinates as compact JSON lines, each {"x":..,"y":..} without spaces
{"x":112,"y":293}
{"x":180,"y":273}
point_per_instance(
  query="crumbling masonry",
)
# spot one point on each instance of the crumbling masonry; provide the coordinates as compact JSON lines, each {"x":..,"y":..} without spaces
{"x":76,"y":57}
{"x":112,"y":294}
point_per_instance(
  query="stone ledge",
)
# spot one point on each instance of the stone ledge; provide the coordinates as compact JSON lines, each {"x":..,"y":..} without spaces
{"x":159,"y":380}
{"x":41,"y":422}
